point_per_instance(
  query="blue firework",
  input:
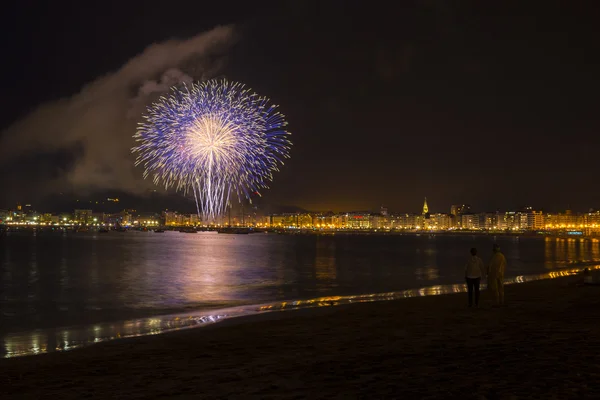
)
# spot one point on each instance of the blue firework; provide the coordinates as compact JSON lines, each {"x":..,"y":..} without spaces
{"x":217,"y":139}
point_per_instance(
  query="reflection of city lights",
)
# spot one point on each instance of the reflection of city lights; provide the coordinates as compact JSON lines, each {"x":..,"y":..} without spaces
{"x":20,"y":344}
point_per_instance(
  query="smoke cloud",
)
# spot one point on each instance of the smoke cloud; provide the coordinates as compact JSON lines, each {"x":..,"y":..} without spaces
{"x":100,"y":120}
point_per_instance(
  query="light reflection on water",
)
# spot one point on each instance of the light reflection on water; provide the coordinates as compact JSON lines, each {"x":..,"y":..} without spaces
{"x":51,"y":340}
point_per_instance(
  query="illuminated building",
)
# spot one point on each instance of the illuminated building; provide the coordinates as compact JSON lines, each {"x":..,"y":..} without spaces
{"x":425,"y":223}
{"x":469,"y":221}
{"x":507,"y":220}
{"x":563,"y":221}
{"x":292,"y":220}
{"x":592,"y":218}
{"x":183,"y":219}
{"x":327,"y":220}
{"x":48,"y":218}
{"x":4,"y":215}
{"x":457,"y":210}
{"x":305,"y":221}
{"x":522,"y":220}
{"x":405,"y":221}
{"x":412,"y":221}
{"x":513,"y":220}
{"x":383,"y":221}
{"x":83,"y":216}
{"x":488,"y":221}
{"x":276,"y":220}
{"x":439,"y":221}
{"x":125,"y":217}
{"x":359,"y":220}
{"x":170,"y":217}
{"x":377,"y":221}
{"x":263,"y":221}
{"x":339,"y":221}
{"x":535,"y":220}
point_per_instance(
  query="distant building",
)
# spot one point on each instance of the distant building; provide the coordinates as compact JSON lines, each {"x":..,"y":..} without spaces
{"x":305,"y":221}
{"x":404,"y":221}
{"x":563,"y":220}
{"x":327,"y":220}
{"x":359,"y":220}
{"x":340,"y":221}
{"x":291,"y":220}
{"x":170,"y":218}
{"x":83,"y":216}
{"x":437,"y":221}
{"x":126,"y":217}
{"x":488,"y":221}
{"x":377,"y":221}
{"x":513,"y":220}
{"x":469,"y":221}
{"x":592,"y":219}
{"x":535,"y":220}
{"x":459,"y":209}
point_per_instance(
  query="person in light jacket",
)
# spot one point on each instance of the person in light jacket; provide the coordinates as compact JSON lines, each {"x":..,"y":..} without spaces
{"x":496,"y":275}
{"x":474,"y":272}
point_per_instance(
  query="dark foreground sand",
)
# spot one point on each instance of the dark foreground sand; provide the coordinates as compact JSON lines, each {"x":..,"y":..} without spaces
{"x":544,"y":344}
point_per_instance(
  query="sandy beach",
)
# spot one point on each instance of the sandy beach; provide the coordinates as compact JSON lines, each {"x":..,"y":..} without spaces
{"x":544,"y":344}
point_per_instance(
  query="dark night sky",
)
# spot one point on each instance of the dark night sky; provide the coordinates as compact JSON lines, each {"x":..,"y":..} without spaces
{"x":489,"y":104}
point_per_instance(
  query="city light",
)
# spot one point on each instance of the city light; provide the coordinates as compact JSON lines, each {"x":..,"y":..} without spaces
{"x":567,"y":224}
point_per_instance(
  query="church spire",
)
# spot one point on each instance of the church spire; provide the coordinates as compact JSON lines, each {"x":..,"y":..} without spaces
{"x":425,"y":208}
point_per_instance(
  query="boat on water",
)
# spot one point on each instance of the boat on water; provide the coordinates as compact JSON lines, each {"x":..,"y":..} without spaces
{"x":159,"y":230}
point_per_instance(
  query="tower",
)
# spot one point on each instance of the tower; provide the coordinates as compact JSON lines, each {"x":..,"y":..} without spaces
{"x":426,"y":222}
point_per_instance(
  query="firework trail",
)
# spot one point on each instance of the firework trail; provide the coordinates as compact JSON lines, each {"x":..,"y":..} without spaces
{"x":216,"y":139}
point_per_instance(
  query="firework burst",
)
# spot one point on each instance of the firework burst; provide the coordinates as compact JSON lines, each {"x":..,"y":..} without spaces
{"x":216,"y":139}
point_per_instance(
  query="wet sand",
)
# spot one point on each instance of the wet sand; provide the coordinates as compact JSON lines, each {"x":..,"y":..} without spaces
{"x":544,"y":344}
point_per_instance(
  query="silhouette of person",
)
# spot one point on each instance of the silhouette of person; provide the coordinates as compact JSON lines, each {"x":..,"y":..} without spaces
{"x":474,"y":271}
{"x":496,"y":270}
{"x":587,"y":277}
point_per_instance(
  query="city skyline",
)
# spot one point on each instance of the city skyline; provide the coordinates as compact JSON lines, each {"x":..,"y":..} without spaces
{"x":116,"y":205}
{"x":460,"y":218}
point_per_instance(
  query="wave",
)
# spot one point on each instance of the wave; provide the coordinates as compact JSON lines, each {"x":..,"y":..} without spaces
{"x":63,"y":339}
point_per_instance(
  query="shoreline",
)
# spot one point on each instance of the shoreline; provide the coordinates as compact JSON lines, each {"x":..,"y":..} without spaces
{"x":43,"y":341}
{"x":546,"y":343}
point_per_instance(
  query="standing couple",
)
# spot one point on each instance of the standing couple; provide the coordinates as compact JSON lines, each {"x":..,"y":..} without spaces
{"x":475,"y":271}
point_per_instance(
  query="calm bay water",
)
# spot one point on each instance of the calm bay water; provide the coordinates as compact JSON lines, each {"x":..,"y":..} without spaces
{"x":51,"y":280}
